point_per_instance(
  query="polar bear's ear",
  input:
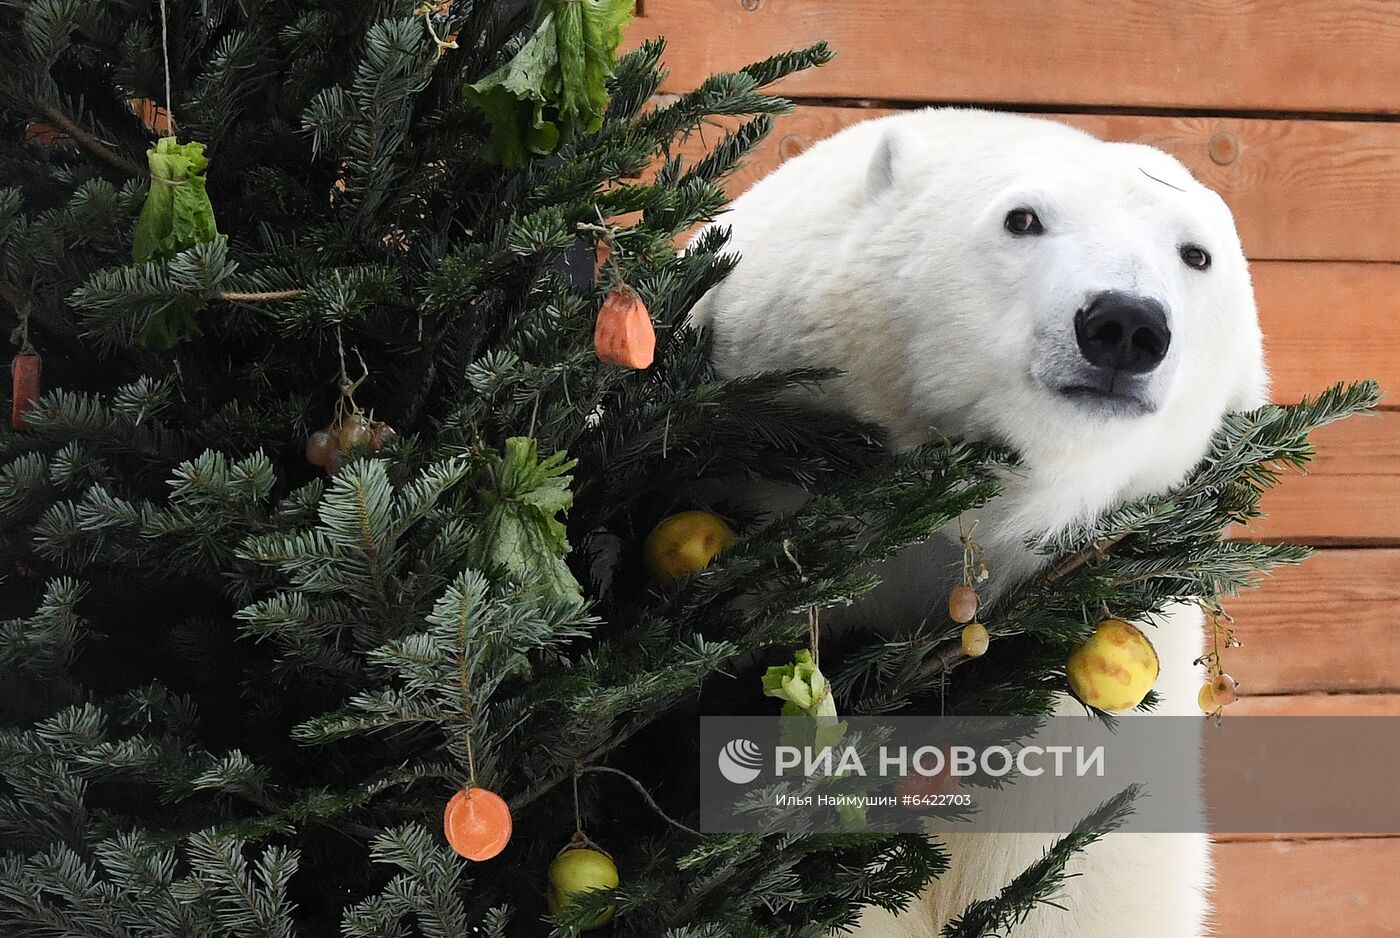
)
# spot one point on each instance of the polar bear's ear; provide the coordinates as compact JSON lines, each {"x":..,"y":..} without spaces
{"x":880,"y":176}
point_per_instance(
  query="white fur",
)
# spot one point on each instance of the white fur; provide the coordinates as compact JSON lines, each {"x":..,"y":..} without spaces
{"x":882,"y":251}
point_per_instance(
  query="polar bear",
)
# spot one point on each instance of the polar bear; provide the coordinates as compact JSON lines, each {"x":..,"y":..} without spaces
{"x":994,"y":276}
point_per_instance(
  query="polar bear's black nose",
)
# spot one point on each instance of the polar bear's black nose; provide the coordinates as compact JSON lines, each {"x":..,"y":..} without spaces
{"x":1123,"y":331}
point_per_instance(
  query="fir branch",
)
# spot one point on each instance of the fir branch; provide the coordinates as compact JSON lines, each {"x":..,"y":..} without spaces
{"x":1039,"y":883}
{"x":268,"y":296}
{"x":86,"y":140}
{"x":540,"y":789}
{"x":1096,"y":551}
{"x":949,"y":658}
{"x":1143,"y":555}
{"x":784,"y":64}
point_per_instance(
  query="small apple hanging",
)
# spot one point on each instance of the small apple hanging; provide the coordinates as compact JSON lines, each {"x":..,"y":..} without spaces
{"x":577,"y":870}
{"x":686,"y":543}
{"x":1115,"y":668}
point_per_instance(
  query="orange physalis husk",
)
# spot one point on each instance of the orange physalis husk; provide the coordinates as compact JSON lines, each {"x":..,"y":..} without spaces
{"x":624,"y":334}
{"x":477,"y":823}
{"x":26,"y":387}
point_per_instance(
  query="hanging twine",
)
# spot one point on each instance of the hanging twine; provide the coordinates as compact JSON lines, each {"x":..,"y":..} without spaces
{"x":345,"y":405}
{"x":814,"y":633}
{"x":578,"y":811}
{"x":165,"y":59}
{"x":581,"y":839}
{"x":426,"y":11}
{"x":20,"y":335}
{"x":463,"y":669}
{"x":464,"y":683}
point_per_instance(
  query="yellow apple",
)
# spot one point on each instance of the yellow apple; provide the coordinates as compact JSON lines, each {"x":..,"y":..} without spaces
{"x":1115,"y":668}
{"x":685,"y":543}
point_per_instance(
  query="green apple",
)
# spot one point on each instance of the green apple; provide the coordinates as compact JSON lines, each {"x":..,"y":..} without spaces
{"x":578,"y":870}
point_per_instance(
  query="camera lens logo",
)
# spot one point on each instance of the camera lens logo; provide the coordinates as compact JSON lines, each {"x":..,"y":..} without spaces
{"x":740,"y":761}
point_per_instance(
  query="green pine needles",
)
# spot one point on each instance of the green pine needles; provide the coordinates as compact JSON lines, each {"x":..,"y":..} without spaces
{"x":238,"y":692}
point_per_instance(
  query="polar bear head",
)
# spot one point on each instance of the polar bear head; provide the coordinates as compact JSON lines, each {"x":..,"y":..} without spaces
{"x":990,"y":275}
{"x":1111,"y":287}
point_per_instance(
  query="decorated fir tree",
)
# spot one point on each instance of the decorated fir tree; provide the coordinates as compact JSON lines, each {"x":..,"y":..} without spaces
{"x":329,"y":510}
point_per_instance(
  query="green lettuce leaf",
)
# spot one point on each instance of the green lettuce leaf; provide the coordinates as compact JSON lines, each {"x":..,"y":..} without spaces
{"x":522,"y":531}
{"x":802,"y":685}
{"x":556,"y":85}
{"x":590,"y":33}
{"x":805,"y":692}
{"x":515,"y":96}
{"x":177,"y":215}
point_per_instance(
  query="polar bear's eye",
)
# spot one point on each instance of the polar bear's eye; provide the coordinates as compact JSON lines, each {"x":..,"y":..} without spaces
{"x":1023,"y":221}
{"x":1195,"y":256}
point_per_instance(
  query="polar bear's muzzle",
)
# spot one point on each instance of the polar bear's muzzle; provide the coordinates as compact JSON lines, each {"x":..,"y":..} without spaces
{"x":1122,"y":339}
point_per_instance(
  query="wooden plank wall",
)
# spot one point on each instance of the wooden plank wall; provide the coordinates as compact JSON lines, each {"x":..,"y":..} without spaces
{"x":1291,"y":110}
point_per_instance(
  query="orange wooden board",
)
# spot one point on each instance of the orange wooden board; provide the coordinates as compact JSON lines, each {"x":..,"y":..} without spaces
{"x":1350,"y":494}
{"x":1310,"y":705}
{"x":1300,"y":189}
{"x":1319,"y":705}
{"x":1261,"y":55}
{"x":1314,"y":888}
{"x":1331,"y":623}
{"x":1325,"y":323}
